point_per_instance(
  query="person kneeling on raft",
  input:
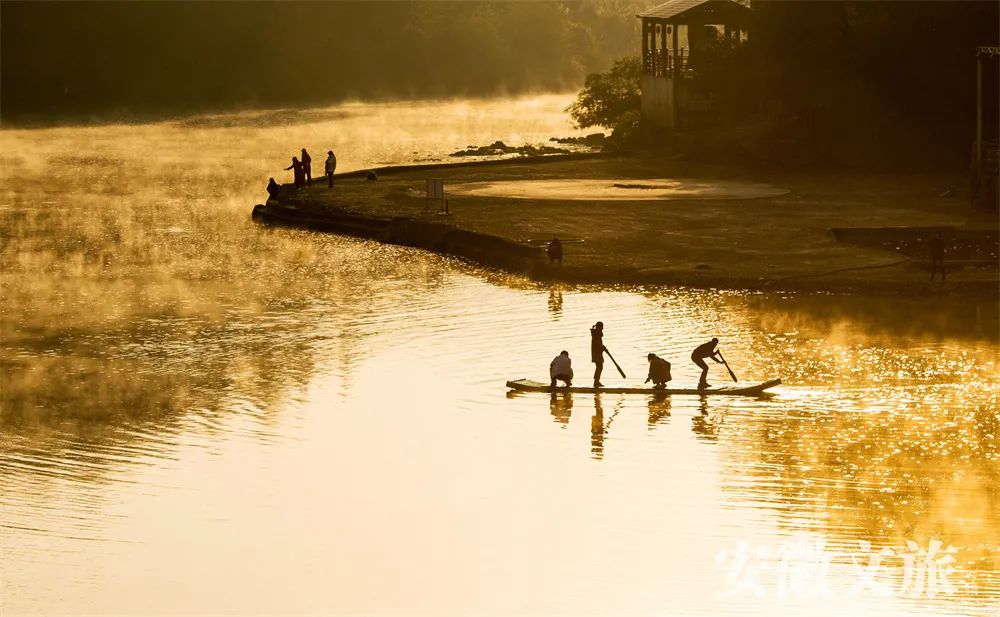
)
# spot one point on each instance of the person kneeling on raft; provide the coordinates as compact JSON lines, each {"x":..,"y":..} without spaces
{"x":659,"y":371}
{"x":561,"y":368}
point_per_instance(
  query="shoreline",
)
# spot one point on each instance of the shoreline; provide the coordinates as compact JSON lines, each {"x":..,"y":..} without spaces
{"x":391,"y":210}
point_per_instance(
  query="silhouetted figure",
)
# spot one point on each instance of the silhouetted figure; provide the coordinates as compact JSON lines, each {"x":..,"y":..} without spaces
{"x":273,"y":189}
{"x":307,"y":166}
{"x":561,"y":368}
{"x":297,"y":173}
{"x":706,"y":350}
{"x":597,"y":350}
{"x":555,"y":251}
{"x":371,"y":176}
{"x":659,"y":371}
{"x":331,"y":166}
{"x":936,"y":248}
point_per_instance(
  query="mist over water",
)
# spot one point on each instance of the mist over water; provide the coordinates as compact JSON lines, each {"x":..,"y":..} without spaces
{"x":202,"y":415}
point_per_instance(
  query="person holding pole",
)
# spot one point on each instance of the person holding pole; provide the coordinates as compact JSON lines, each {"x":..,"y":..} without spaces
{"x":705,"y":350}
{"x":597,"y":350}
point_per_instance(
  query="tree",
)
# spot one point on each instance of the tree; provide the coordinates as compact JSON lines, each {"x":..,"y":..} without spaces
{"x":607,"y":97}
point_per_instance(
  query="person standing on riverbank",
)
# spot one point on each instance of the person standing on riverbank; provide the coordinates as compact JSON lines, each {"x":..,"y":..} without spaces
{"x":331,"y":166}
{"x":555,"y":251}
{"x":561,"y":368}
{"x":706,"y":350}
{"x":273,"y":189}
{"x":936,"y":249}
{"x":597,"y":350}
{"x":297,"y":173}
{"x":307,"y":166}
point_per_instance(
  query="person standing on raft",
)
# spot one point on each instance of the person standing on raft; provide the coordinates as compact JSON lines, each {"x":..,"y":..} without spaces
{"x":597,"y":350}
{"x":659,"y":371}
{"x":706,"y":350}
{"x":561,"y":368}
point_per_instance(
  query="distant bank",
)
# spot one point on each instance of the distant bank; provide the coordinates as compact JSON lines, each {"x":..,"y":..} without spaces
{"x":853,"y":233}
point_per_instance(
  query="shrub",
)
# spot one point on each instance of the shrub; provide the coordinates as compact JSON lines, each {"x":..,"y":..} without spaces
{"x":608,"y":96}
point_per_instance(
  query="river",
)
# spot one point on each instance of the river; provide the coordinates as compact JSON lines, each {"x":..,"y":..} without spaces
{"x":201,"y":415}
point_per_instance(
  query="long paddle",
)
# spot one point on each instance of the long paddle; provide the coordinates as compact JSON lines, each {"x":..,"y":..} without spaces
{"x":731,"y":374}
{"x":620,"y":371}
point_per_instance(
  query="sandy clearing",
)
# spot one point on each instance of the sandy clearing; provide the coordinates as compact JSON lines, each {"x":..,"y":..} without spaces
{"x":659,"y":189}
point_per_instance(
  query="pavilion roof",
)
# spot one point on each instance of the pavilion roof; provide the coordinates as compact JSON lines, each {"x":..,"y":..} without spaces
{"x":680,"y":9}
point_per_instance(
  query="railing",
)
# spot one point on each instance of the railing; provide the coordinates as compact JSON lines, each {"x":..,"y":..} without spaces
{"x":664,"y":63}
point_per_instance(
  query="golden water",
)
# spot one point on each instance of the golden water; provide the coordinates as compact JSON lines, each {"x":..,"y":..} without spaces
{"x":204,"y":416}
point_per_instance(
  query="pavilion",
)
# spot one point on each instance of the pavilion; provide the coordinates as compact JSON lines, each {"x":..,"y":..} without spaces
{"x":671,"y":33}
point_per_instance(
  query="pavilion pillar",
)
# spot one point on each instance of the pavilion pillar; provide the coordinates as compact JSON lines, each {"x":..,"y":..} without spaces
{"x":663,"y":49}
{"x":654,"y":46}
{"x":645,"y":48}
{"x":677,"y":60}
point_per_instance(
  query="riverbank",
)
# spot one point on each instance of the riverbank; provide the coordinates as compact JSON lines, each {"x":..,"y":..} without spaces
{"x":713,"y":226}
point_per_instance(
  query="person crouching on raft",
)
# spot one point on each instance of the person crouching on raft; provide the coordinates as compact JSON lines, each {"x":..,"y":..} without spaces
{"x":561,"y":368}
{"x":597,"y":350}
{"x":706,"y":350}
{"x":659,"y":371}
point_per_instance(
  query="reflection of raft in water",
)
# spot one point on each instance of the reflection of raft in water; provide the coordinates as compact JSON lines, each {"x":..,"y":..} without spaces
{"x":528,"y":385}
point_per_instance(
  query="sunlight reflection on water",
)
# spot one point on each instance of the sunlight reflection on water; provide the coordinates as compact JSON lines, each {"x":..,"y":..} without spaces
{"x":203,"y":415}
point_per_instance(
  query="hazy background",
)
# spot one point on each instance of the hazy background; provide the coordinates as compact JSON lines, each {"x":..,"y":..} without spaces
{"x":895,"y":80}
{"x":112,"y":59}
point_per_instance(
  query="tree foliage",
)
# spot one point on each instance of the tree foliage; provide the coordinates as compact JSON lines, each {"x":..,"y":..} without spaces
{"x":879,"y":73}
{"x":606,"y":97}
{"x":149,"y":58}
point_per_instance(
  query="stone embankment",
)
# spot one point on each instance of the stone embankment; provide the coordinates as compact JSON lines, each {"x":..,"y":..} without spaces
{"x":481,"y":249}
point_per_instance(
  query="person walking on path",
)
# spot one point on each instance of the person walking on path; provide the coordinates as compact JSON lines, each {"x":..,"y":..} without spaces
{"x":659,"y":371}
{"x":705,"y":350}
{"x":297,"y":173}
{"x":936,"y":249}
{"x":561,"y":367}
{"x":307,"y":166}
{"x":331,"y":166}
{"x":597,"y":350}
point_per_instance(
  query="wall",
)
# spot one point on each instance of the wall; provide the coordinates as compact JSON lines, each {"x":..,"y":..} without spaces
{"x":658,"y":100}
